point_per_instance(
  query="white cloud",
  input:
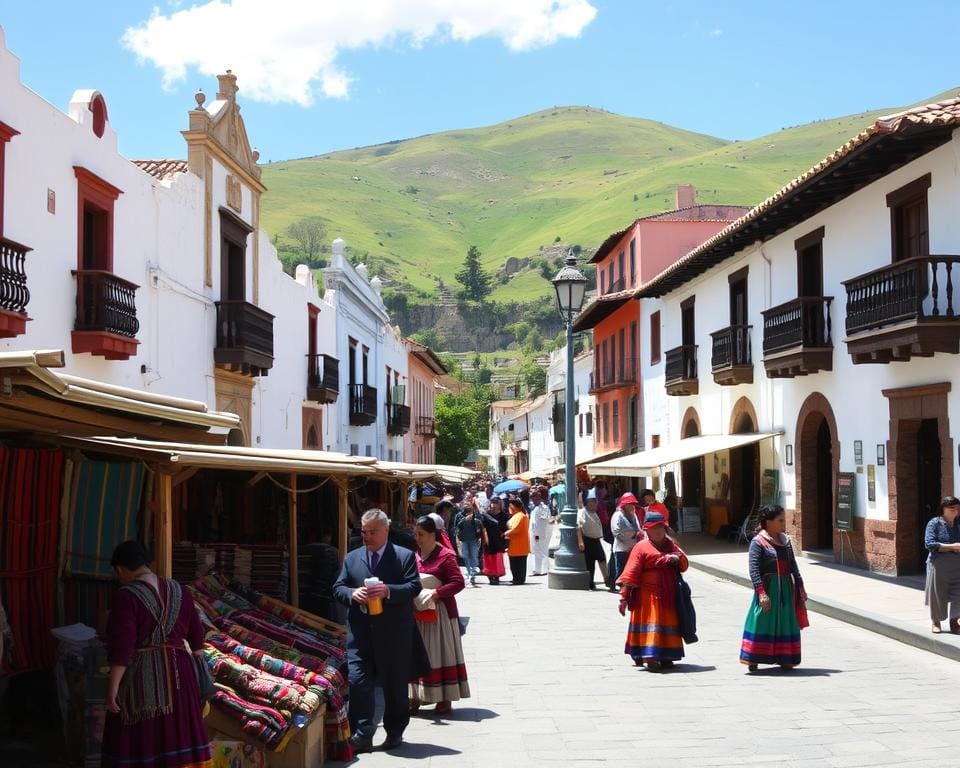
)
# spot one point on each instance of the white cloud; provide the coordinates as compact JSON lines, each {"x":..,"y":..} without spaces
{"x":287,"y":50}
{"x":716,"y":32}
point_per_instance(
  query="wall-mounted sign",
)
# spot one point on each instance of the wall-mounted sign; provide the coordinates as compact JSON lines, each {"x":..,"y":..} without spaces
{"x":858,"y":452}
{"x":846,"y":482}
{"x":871,"y":483}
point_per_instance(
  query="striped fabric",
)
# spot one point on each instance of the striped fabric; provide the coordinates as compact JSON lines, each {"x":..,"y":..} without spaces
{"x":104,"y":508}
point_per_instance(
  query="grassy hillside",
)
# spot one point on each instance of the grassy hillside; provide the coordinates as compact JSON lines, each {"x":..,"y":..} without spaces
{"x":413,"y":207}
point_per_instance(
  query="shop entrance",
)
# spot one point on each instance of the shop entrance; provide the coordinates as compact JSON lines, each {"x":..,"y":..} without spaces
{"x":744,"y":471}
{"x":919,"y":485}
{"x":692,"y":472}
{"x":928,"y":474}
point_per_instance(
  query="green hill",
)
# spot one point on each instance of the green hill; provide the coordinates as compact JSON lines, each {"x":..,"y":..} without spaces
{"x":411,"y":208}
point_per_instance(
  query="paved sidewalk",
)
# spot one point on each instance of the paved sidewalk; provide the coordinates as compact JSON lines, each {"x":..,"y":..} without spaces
{"x":891,"y":606}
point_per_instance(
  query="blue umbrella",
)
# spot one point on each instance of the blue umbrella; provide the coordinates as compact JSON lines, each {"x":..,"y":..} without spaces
{"x":560,"y":489}
{"x":509,"y":486}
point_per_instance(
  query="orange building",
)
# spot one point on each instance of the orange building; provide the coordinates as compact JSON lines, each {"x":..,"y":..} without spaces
{"x":625,"y":261}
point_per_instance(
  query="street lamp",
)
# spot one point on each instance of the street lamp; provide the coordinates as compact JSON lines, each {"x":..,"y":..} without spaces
{"x":569,"y":568}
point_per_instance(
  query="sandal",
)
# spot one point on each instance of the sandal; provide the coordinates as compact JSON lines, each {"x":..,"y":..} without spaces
{"x":443,"y":708}
{"x":753,"y":667}
{"x":936,"y":629}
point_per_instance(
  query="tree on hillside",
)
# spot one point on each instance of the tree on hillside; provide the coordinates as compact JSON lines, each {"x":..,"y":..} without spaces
{"x":534,"y":377}
{"x":476,"y":281}
{"x":462,"y":423}
{"x":310,"y":233}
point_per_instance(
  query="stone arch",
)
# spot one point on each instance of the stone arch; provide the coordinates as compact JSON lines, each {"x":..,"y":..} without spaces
{"x":690,"y":417}
{"x":743,"y":407}
{"x":808,"y":519}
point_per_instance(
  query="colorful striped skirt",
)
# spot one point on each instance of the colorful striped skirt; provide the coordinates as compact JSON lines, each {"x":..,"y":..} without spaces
{"x":772,"y":637}
{"x":447,"y":680}
{"x":493,"y":564}
{"x":654,"y":630}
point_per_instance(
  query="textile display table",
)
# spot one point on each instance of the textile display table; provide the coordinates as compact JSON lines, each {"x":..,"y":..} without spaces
{"x":302,"y":748}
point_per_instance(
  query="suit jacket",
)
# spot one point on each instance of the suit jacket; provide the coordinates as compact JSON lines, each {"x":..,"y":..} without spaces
{"x":391,"y":641}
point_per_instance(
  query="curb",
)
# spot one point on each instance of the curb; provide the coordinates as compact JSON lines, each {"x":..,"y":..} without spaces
{"x":865,"y":620}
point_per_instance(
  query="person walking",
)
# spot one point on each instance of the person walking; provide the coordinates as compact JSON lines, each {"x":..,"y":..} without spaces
{"x":383,"y":643}
{"x":540,"y":530}
{"x":470,"y":534}
{"x":518,"y":541}
{"x":439,"y":623}
{"x":494,"y":523}
{"x":648,"y":588}
{"x":153,"y":699}
{"x":589,"y":535}
{"x":771,"y":633}
{"x":627,"y":530}
{"x":942,"y":540}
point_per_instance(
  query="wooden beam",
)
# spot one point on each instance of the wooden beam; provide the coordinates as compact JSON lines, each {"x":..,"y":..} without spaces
{"x":257,"y":478}
{"x":163,"y":526}
{"x":184,"y":475}
{"x":294,"y":563}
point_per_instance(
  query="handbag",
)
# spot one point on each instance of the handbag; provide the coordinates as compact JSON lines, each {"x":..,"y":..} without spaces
{"x":686,"y":612}
{"x":204,"y":678}
{"x":800,"y":604}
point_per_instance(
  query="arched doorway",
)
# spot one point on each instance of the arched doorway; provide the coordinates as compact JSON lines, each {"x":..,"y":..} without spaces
{"x":818,"y":459}
{"x":744,"y":470}
{"x":691,"y":471}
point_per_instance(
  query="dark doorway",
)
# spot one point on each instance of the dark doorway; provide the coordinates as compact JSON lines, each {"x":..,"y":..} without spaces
{"x":824,"y":484}
{"x":691,"y":473}
{"x":687,"y":324}
{"x":928,"y":474}
{"x":810,"y":270}
{"x":744,"y":473}
{"x":738,"y":302}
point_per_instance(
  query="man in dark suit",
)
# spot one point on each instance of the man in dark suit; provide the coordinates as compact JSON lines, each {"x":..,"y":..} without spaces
{"x":387,"y":648}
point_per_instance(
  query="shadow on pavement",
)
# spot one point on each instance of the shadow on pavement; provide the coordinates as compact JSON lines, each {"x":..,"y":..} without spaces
{"x":411,"y":750}
{"x":465,"y":715}
{"x":798,"y":672}
{"x":682,"y":667}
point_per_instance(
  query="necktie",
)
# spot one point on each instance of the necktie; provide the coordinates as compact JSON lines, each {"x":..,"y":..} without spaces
{"x":374,"y":561}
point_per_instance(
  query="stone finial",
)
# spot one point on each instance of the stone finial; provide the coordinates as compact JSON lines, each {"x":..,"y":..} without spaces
{"x":200,"y":98}
{"x":227,"y":86}
{"x":302,"y":274}
{"x":338,"y":246}
{"x":363,"y":271}
{"x":377,"y":284}
{"x":256,"y":155}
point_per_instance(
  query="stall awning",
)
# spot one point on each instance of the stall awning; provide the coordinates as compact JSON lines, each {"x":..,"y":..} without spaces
{"x":598,"y":457}
{"x":643,"y":462}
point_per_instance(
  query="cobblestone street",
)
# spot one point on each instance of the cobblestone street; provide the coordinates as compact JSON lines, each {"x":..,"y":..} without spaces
{"x":550,"y":686}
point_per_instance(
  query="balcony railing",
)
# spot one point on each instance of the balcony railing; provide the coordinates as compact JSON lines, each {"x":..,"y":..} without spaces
{"x":426,"y":426}
{"x":14,"y":294}
{"x":616,"y":286}
{"x":731,"y":359}
{"x":680,"y":372}
{"x":622,"y":374}
{"x":105,"y":303}
{"x":803,"y":322}
{"x":244,"y":338}
{"x":919,"y":289}
{"x":323,"y":378}
{"x":363,"y":405}
{"x":398,"y":419}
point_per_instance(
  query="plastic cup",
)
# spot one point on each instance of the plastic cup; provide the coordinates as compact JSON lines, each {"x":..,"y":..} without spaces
{"x":374,"y":604}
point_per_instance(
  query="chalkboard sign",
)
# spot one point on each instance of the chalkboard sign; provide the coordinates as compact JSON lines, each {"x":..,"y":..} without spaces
{"x":846,"y":482}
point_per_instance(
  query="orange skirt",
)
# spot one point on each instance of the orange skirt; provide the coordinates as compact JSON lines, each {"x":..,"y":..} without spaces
{"x":654,"y":630}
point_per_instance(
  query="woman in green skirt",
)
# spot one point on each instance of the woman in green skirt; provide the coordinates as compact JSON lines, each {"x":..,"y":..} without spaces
{"x":771,"y":634}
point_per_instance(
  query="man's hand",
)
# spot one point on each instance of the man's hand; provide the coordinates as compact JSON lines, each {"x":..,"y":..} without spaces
{"x":378,"y":590}
{"x":360,"y":596}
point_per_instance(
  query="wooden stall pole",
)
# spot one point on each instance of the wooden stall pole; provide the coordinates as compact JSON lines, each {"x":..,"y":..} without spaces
{"x":294,"y":562}
{"x":342,"y":485}
{"x":163,"y":538}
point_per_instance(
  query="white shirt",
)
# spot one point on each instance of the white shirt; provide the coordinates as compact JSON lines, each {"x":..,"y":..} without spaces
{"x":483,"y":502}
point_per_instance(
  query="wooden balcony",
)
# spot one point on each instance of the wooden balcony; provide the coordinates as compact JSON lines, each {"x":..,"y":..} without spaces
{"x":323,"y":378}
{"x":106,"y":324}
{"x":398,"y":419}
{"x":14,"y":294}
{"x":797,"y":338}
{"x":609,"y":377}
{"x":903,"y":310}
{"x":426,"y":426}
{"x":680,"y":375}
{"x":244,"y":338}
{"x":732,"y":360}
{"x":363,"y":405}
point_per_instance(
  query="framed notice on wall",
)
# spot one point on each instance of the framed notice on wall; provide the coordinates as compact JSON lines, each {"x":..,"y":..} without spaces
{"x":846,"y":484}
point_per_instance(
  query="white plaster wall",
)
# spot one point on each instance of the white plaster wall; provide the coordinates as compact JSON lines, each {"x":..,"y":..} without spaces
{"x":856,"y":241}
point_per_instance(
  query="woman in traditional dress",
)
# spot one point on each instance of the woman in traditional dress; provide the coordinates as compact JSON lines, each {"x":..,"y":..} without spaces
{"x":771,"y":634}
{"x":495,"y":523}
{"x":439,"y":622}
{"x":518,"y":541}
{"x":153,"y":700}
{"x":942,"y":540}
{"x":648,"y":588}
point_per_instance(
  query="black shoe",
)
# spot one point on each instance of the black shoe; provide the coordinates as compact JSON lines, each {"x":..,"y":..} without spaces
{"x":360,"y":744}
{"x":392,"y":742}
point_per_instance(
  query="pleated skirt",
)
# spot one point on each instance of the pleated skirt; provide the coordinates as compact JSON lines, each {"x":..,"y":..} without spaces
{"x":447,"y":680}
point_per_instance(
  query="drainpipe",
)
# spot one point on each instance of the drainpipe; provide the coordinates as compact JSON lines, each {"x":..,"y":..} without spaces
{"x":768,"y":301}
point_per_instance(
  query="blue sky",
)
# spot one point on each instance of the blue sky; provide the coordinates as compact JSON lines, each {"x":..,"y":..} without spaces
{"x":375,"y":70}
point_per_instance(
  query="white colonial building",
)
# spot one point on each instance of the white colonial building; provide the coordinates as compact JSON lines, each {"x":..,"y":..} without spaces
{"x":828,"y":316}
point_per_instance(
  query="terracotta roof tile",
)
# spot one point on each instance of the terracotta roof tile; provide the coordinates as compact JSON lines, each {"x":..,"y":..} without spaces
{"x":916,"y":119}
{"x":162,"y":169}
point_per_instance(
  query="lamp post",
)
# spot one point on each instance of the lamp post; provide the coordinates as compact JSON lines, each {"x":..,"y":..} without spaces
{"x":569,"y":568}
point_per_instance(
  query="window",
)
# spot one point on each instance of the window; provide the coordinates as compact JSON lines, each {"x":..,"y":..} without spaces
{"x":603,"y":283}
{"x":606,"y":422}
{"x":623,"y":358}
{"x":589,"y":423}
{"x":633,"y":342}
{"x":233,"y":256}
{"x":909,"y":220}
{"x":6,"y":133}
{"x":610,"y":275}
{"x":688,"y":331}
{"x":312,"y":314}
{"x":352,"y":372}
{"x":810,"y":264}
{"x":633,"y":261}
{"x":366,"y":365}
{"x":95,"y":201}
{"x":623,"y":273}
{"x":655,"y":338}
{"x":738,"y":297}
{"x":580,"y":425}
{"x":616,"y":421}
